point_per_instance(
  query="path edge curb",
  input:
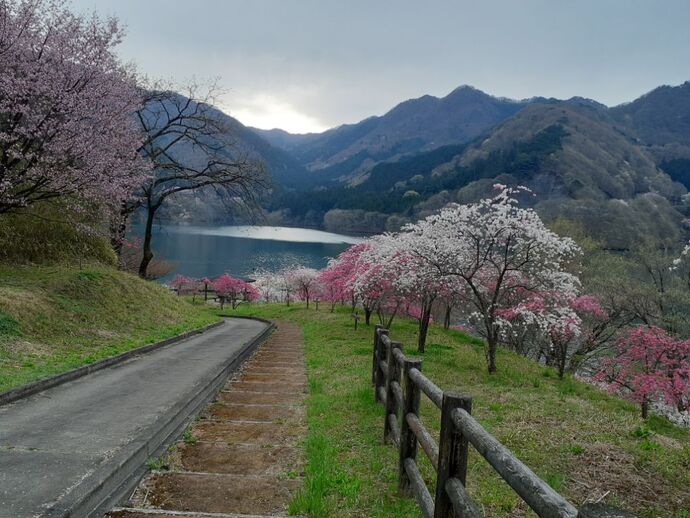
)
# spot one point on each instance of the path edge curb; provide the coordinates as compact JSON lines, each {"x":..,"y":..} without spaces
{"x":29,"y":389}
{"x":116,"y":478}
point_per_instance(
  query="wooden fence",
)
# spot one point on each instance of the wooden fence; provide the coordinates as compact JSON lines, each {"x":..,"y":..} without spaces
{"x":399,"y":384}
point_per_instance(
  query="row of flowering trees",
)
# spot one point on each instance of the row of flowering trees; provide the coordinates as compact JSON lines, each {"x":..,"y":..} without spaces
{"x":225,"y":287}
{"x":495,"y":267}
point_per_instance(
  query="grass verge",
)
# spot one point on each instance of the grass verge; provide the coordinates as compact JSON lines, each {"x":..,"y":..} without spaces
{"x":56,"y":318}
{"x":587,"y":444}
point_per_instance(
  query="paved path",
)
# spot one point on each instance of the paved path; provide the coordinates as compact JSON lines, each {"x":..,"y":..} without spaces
{"x":243,"y":456}
{"x":59,"y":445}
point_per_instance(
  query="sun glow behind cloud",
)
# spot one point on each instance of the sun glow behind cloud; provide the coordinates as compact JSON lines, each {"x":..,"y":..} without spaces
{"x":267,"y":112}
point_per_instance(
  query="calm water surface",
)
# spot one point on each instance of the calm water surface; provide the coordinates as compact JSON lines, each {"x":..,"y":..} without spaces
{"x":205,"y":251}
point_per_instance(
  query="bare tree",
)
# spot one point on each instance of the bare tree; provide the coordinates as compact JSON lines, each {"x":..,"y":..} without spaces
{"x":191,"y":148}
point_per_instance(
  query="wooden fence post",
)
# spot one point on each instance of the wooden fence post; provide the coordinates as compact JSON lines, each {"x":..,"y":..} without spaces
{"x":408,"y":441}
{"x":452,"y":452}
{"x":379,"y":375}
{"x":391,"y":401}
{"x":374,"y":365}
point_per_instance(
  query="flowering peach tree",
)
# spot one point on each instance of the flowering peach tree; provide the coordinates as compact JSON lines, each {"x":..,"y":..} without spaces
{"x":229,"y":288}
{"x":648,"y":364}
{"x":505,"y":256}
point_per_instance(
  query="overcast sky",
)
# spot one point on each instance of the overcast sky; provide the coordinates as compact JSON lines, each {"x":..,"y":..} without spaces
{"x":306,"y":65}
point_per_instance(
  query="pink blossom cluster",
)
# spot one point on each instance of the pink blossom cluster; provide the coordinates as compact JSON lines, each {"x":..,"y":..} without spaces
{"x":66,"y":109}
{"x":233,"y":289}
{"x":649,"y":364}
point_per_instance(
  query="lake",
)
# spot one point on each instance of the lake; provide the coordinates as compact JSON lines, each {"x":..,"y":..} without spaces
{"x":208,"y":251}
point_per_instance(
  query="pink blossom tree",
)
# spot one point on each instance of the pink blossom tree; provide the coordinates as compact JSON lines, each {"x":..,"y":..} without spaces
{"x":332,"y":280}
{"x":499,"y":250}
{"x":369,"y":281}
{"x":336,"y":278}
{"x":402,"y":278}
{"x":66,"y":106}
{"x":229,"y":288}
{"x":182,"y":284}
{"x":339,"y":280}
{"x":204,"y":285}
{"x":648,"y":365}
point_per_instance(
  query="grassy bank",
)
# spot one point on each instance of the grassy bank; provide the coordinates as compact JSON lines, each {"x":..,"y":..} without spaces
{"x":55,"y":318}
{"x":585,"y":443}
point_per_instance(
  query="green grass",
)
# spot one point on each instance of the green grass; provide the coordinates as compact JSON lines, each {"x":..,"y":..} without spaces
{"x":56,"y":318}
{"x":579,"y":439}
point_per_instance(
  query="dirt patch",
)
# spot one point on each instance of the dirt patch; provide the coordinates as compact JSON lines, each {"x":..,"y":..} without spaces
{"x":247,"y":460}
{"x":604,"y":472}
{"x":215,"y":493}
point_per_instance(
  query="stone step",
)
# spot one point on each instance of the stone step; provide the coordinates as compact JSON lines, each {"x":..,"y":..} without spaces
{"x":246,"y":432}
{"x":240,"y":412}
{"x":253,"y":396}
{"x":266,"y":386}
{"x":273,"y":377}
{"x":216,"y":493}
{"x":239,"y":460}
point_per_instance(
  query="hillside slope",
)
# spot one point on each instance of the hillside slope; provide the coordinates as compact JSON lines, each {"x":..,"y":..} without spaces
{"x":55,"y":318}
{"x":659,"y":117}
{"x":596,"y":174}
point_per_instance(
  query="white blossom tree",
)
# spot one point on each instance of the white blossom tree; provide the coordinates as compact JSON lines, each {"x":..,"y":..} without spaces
{"x":304,"y":280}
{"x":503,"y":253}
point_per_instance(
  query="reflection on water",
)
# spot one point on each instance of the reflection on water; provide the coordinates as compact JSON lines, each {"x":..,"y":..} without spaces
{"x":295,"y":235}
{"x":241,"y":250}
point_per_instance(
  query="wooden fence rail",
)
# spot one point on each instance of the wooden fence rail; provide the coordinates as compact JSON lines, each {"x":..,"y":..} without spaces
{"x":398,"y":385}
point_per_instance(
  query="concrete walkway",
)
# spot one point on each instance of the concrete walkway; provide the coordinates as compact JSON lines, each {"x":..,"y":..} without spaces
{"x":242,"y":458}
{"x":72,"y":445}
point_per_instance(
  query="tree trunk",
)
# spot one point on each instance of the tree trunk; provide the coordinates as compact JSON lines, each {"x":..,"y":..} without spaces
{"x":424,"y":327}
{"x":118,"y":230}
{"x":307,"y":297}
{"x":491,"y":346}
{"x":367,"y":315}
{"x":645,"y":409}
{"x":446,"y":317}
{"x":561,"y":366}
{"x":148,"y":236}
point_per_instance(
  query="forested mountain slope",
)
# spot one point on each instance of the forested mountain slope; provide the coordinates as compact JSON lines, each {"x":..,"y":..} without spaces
{"x":411,"y":126}
{"x":572,"y":154}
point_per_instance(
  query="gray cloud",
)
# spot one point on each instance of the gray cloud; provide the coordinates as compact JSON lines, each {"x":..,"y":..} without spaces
{"x":311,"y":64}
